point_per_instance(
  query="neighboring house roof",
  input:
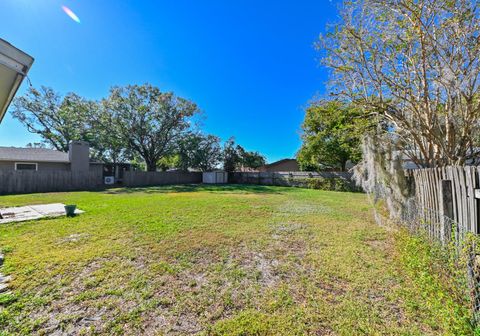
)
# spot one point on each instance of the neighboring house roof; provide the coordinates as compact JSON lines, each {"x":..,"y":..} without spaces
{"x":279,"y":162}
{"x":32,"y":155}
{"x":281,"y":165}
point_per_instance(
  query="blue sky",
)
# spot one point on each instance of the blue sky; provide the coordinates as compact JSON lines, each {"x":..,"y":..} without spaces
{"x":249,"y":65}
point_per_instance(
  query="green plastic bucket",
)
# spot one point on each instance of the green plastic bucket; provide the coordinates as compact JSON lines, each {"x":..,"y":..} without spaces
{"x":70,"y":210}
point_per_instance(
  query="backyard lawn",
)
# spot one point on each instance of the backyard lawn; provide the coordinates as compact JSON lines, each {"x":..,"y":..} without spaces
{"x":226,"y":260}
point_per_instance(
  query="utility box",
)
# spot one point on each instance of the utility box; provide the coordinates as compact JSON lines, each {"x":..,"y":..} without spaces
{"x":215,"y":177}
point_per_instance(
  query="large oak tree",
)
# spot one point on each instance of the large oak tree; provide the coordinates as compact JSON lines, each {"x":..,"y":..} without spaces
{"x":55,"y":118}
{"x":149,"y":121}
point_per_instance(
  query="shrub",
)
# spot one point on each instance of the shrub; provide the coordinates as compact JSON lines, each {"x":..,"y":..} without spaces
{"x":332,"y":184}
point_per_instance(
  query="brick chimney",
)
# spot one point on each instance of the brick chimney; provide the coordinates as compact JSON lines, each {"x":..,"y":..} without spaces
{"x":79,"y":156}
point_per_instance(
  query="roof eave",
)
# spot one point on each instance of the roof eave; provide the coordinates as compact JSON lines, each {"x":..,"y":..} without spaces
{"x":17,"y":63}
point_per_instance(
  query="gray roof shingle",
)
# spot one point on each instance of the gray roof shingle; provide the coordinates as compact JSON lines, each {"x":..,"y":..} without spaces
{"x":32,"y":155}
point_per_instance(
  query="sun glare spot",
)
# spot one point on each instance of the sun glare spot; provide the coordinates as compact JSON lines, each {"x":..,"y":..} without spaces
{"x":71,"y":14}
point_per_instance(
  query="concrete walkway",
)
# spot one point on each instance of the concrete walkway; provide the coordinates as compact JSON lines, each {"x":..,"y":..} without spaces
{"x":26,"y":213}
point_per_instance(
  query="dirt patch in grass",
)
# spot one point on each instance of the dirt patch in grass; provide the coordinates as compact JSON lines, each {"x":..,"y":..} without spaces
{"x":73,"y":238}
{"x":303,"y":208}
{"x":377,"y":244}
{"x":180,"y":295}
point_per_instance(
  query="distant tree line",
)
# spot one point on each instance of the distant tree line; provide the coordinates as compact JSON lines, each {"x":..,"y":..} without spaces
{"x":139,"y":124}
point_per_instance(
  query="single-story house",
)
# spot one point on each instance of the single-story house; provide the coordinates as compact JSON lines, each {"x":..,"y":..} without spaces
{"x":43,"y":159}
{"x":285,"y":165}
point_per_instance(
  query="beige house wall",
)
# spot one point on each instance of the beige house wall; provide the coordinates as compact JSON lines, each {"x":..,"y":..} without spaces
{"x":42,"y":166}
{"x":48,"y":166}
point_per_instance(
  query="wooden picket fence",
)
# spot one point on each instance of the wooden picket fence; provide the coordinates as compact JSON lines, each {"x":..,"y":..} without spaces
{"x":448,"y":195}
{"x":446,"y":204}
{"x":141,"y":178}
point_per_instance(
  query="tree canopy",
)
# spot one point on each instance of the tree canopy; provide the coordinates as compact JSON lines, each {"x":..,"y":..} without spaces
{"x":149,"y":121}
{"x":137,"y":123}
{"x":236,"y":157}
{"x":58,"y":120}
{"x":331,"y":136}
{"x":250,"y":159}
{"x":230,"y":155}
{"x":199,"y":151}
{"x":415,"y":66}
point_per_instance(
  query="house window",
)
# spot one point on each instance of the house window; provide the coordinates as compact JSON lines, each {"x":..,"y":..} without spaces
{"x":26,"y":166}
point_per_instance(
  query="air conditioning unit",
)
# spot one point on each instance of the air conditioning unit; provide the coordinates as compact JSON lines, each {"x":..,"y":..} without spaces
{"x":109,"y":180}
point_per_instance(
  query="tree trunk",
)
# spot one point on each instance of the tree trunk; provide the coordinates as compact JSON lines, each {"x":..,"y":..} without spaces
{"x":151,"y":166}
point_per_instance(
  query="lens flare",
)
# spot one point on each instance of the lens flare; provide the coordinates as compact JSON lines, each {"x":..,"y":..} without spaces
{"x":72,"y":15}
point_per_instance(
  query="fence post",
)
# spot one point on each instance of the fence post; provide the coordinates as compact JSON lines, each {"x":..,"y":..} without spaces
{"x":447,"y":217}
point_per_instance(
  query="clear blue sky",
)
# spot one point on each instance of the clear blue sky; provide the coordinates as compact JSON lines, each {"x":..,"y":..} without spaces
{"x":250,"y":65}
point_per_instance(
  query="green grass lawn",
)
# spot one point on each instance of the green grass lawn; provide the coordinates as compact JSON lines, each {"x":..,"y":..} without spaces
{"x":227,"y":260}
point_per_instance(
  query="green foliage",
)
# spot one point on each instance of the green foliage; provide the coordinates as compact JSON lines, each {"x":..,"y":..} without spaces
{"x":230,"y":155}
{"x":331,"y":137}
{"x":36,"y":145}
{"x":6,"y":299}
{"x":388,"y":57}
{"x":169,"y":162}
{"x":199,"y":151}
{"x":320,"y":183}
{"x":251,"y":160}
{"x":106,"y":142}
{"x":136,"y":121}
{"x":236,"y":157}
{"x":56,"y":119}
{"x":333,"y":184}
{"x":149,"y":121}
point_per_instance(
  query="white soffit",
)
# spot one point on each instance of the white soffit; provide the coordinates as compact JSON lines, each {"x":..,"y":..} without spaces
{"x":14,"y":66}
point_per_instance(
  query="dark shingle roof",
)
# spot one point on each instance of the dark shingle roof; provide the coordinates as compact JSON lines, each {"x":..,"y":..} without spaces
{"x":32,"y":155}
{"x":279,"y":161}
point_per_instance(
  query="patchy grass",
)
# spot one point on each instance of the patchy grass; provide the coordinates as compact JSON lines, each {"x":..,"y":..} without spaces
{"x":222,"y":260}
{"x":437,"y":282}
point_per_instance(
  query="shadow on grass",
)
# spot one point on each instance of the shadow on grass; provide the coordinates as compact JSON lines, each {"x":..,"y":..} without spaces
{"x":225,"y":189}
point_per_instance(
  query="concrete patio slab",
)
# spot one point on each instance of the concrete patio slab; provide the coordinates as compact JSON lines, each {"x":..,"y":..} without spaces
{"x":31,"y":212}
